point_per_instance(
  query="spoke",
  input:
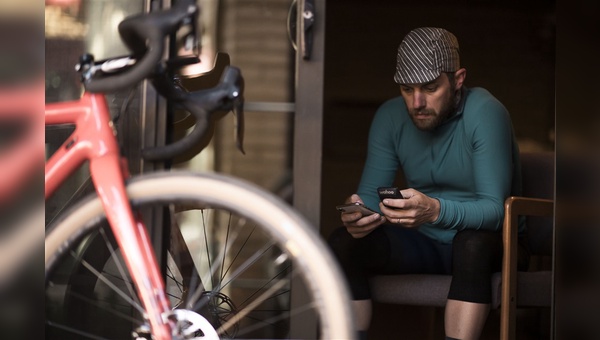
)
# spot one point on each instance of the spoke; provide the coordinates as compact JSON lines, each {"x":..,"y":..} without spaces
{"x":221,"y":275}
{"x":196,"y":294}
{"x":179,"y":298}
{"x":171,"y":276}
{"x":282,"y":316}
{"x":211,"y":272}
{"x":192,"y":289}
{"x":247,"y":264}
{"x":102,"y":306}
{"x":111,"y":285}
{"x":207,"y":248}
{"x":263,"y":286}
{"x":174,"y":296}
{"x":238,"y":253}
{"x":227,"y":266}
{"x":118,"y":264}
{"x":243,"y":312}
{"x":74,"y":331}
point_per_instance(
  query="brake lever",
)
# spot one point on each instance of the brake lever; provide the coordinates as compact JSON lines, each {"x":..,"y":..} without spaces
{"x":235,"y":103}
{"x":233,"y":100}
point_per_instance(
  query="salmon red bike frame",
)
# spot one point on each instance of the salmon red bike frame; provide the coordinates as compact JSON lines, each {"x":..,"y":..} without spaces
{"x":94,"y":140}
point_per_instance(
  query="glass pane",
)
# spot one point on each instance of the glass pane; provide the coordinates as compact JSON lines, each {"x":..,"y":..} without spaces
{"x":254,"y":35}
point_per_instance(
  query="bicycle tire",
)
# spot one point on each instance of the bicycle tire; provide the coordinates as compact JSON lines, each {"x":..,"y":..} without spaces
{"x":290,"y":232}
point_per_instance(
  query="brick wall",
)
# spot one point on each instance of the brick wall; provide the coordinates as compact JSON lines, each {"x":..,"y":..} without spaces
{"x":254,"y":34}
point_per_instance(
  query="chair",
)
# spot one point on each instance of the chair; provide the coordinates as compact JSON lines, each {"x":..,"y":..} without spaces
{"x":534,"y":287}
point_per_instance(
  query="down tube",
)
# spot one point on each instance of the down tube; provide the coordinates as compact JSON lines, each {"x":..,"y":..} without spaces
{"x":133,"y":239}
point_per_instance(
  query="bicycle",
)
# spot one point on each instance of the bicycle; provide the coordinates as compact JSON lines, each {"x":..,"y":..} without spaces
{"x":99,"y":245}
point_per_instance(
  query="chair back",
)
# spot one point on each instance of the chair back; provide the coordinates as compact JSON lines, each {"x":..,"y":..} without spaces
{"x":537,"y":169}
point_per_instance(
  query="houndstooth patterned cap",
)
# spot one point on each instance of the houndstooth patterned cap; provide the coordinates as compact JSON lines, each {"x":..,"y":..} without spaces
{"x":424,"y":54}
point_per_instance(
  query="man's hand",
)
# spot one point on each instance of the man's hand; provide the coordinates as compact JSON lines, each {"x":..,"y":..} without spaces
{"x":413,"y":210}
{"x":358,"y":225}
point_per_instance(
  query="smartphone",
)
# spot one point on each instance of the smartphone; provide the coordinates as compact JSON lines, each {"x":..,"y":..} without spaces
{"x":388,"y":192}
{"x":354,"y":207}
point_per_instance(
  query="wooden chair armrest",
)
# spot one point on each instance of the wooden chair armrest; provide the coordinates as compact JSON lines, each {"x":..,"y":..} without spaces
{"x":514,"y":207}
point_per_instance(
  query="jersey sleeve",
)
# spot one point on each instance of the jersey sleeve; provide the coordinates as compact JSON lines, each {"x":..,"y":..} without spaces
{"x":490,"y":137}
{"x":382,"y":161}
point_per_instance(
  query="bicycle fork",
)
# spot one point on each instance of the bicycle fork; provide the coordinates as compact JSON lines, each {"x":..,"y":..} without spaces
{"x":133,"y":239}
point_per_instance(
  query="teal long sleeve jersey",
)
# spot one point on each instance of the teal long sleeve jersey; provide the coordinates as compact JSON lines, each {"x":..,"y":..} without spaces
{"x":470,"y":163}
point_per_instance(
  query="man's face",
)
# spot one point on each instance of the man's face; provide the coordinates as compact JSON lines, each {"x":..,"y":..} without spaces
{"x":429,"y":104}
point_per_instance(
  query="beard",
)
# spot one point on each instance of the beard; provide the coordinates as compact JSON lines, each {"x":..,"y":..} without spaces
{"x":429,"y":119}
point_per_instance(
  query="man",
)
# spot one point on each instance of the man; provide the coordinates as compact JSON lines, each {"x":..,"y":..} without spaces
{"x":456,"y":148}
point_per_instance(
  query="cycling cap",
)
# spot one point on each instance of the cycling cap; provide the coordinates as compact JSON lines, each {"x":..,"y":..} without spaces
{"x":424,"y":54}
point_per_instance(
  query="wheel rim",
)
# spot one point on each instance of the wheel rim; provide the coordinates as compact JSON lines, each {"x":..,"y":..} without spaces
{"x":235,"y":304}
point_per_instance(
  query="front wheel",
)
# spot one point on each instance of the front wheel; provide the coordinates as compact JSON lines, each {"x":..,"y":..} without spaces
{"x":236,"y":253}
